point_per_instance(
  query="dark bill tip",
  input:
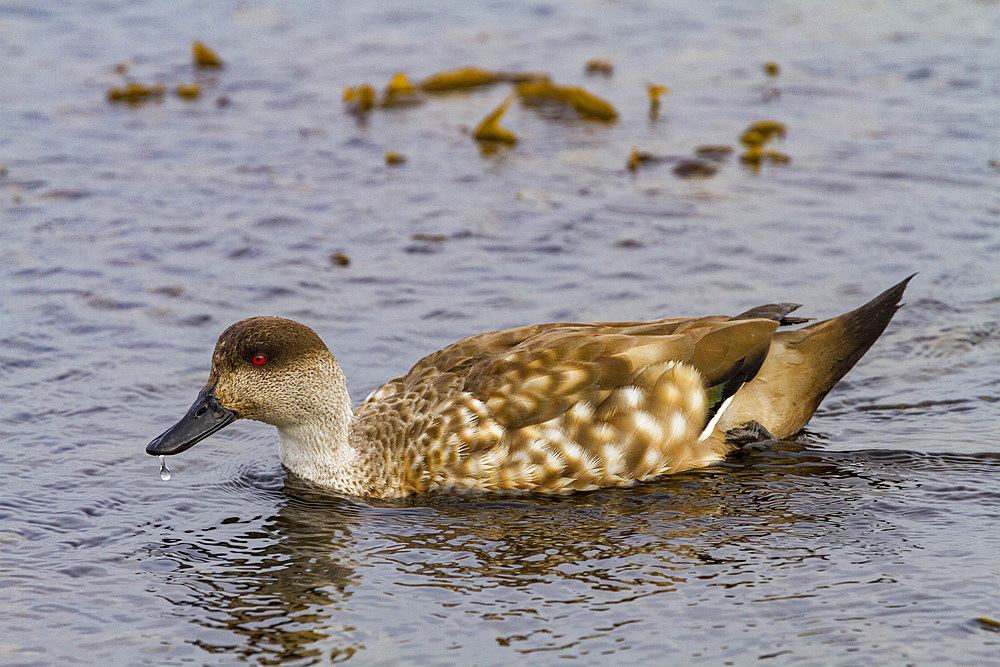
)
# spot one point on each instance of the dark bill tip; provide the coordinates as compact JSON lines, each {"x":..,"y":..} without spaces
{"x":203,"y":418}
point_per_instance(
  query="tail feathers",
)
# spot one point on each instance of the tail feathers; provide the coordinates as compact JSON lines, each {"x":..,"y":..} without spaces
{"x":851,"y":334}
{"x":803,"y":365}
{"x":774,"y":311}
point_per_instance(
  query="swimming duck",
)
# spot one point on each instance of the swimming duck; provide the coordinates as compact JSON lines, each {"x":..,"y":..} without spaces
{"x":548,"y":408}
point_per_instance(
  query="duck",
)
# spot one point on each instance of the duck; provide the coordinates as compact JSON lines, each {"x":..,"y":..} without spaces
{"x":546,"y":408}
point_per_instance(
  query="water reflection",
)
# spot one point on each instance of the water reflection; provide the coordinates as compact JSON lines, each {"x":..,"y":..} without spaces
{"x":273,"y":585}
{"x":282,"y":587}
{"x":728,"y":516}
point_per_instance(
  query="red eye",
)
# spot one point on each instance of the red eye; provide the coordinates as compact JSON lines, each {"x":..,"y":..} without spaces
{"x":258,"y":360}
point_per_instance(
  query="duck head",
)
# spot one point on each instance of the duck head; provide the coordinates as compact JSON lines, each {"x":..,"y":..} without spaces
{"x":268,"y":369}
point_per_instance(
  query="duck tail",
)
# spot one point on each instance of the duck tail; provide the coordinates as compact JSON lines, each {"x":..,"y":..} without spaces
{"x":803,"y":365}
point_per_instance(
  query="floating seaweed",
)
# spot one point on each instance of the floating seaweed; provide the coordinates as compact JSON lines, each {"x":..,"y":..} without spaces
{"x":204,"y":56}
{"x":393,"y":159}
{"x":188,"y":91}
{"x":524,"y":77}
{"x":400,"y":93}
{"x":460,"y":79}
{"x":489,"y":129}
{"x":542,"y":91}
{"x":988,"y":624}
{"x":340,"y":259}
{"x":359,"y":99}
{"x":464,"y":78}
{"x":777,"y":157}
{"x":599,"y":66}
{"x":755,"y":156}
{"x":760,"y":132}
{"x":637,"y":158}
{"x":655,"y":92}
{"x":706,"y":164}
{"x":771,"y":68}
{"x":714,"y":152}
{"x":399,"y":85}
{"x":690,"y":168}
{"x":752,"y":139}
{"x":135,"y":93}
{"x":752,"y":156}
{"x":755,"y":136}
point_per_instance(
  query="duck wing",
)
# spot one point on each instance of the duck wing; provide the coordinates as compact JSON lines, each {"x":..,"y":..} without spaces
{"x":543,"y":375}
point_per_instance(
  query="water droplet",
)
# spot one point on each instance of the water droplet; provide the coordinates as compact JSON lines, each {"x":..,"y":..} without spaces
{"x":164,"y":470}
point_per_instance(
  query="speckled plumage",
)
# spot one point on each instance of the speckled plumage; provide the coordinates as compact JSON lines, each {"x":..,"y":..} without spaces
{"x":546,"y":408}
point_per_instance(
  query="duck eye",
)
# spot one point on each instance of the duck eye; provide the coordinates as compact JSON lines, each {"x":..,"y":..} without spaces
{"x":258,"y":360}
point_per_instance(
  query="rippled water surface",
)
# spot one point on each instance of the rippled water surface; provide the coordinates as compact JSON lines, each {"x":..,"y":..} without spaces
{"x":130,"y":236}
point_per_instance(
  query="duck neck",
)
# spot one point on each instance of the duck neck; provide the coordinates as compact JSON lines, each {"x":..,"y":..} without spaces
{"x":317,"y":444}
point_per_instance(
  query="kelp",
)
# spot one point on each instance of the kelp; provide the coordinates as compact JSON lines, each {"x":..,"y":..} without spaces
{"x":754,"y":157}
{"x":187,"y":91}
{"x":135,"y":93}
{"x":689,"y":168}
{"x":637,"y":158}
{"x":465,"y":78}
{"x":777,"y":157}
{"x":542,"y":92}
{"x":460,"y":79}
{"x":599,"y":66}
{"x":204,"y":56}
{"x":655,"y":92}
{"x":489,"y":129}
{"x":715,"y":152}
{"x":359,"y":99}
{"x":392,"y":158}
{"x":756,"y":136}
{"x":400,"y":93}
{"x":708,"y":158}
{"x":988,"y":624}
{"x":762,"y":131}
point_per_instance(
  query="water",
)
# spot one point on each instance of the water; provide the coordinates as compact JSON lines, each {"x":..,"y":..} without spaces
{"x":164,"y":470}
{"x":131,"y":237}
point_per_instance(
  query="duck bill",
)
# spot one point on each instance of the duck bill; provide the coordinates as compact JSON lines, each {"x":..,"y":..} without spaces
{"x":203,"y":419}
